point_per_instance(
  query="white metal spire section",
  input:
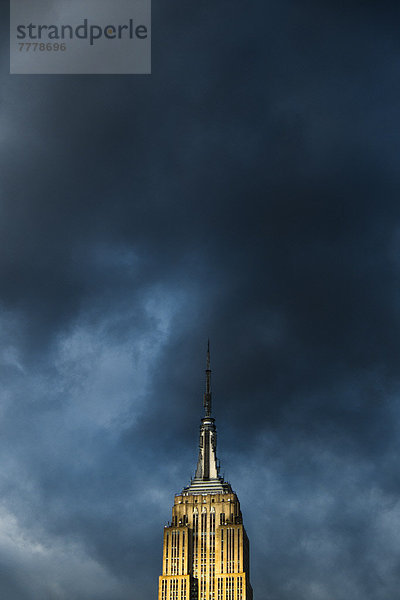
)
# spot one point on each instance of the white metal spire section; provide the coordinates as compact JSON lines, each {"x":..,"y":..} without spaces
{"x":207,"y":478}
{"x":207,"y":395}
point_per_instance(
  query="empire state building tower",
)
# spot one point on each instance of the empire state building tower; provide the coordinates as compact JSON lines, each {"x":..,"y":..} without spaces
{"x":206,"y":549}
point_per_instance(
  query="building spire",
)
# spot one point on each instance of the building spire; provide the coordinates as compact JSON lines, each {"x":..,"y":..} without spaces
{"x":207,"y":395}
{"x":207,"y":478}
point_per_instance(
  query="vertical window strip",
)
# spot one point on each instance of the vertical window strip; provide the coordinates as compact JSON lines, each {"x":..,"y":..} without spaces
{"x":183,"y":589}
{"x":229,"y":588}
{"x":173,"y":550}
{"x":183,"y":553}
{"x":228,"y":549}
{"x":222,"y":551}
{"x":203,"y":555}
{"x":166,"y":553}
{"x":172,"y":553}
{"x":203,"y":542}
{"x":195,"y":542}
{"x":228,"y":558}
{"x":240,"y":589}
{"x":212,"y":556}
{"x":231,"y":550}
{"x":220,"y":588}
{"x":177,"y":553}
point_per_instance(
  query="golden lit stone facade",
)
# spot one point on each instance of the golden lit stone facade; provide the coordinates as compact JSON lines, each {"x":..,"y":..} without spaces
{"x":206,"y":549}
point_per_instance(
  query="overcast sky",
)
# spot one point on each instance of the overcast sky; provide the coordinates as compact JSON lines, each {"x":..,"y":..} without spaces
{"x":248,"y":190}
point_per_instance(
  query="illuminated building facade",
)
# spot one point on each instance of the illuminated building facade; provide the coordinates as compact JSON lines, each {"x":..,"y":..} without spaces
{"x":206,"y":549}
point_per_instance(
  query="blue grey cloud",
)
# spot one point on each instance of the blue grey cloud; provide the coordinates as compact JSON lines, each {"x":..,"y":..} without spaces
{"x":246,"y":191}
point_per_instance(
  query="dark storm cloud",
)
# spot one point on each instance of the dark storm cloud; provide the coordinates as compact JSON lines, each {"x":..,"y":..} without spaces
{"x":246,"y":191}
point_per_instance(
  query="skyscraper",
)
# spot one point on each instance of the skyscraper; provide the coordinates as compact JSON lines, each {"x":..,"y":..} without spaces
{"x":206,"y":549}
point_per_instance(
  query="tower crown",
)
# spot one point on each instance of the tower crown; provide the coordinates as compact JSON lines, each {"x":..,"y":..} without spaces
{"x":207,"y":479}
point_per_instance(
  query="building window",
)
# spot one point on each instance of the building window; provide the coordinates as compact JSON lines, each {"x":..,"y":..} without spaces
{"x":239,"y":588}
{"x":229,"y":588}
{"x":183,"y":589}
{"x":220,"y":588}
